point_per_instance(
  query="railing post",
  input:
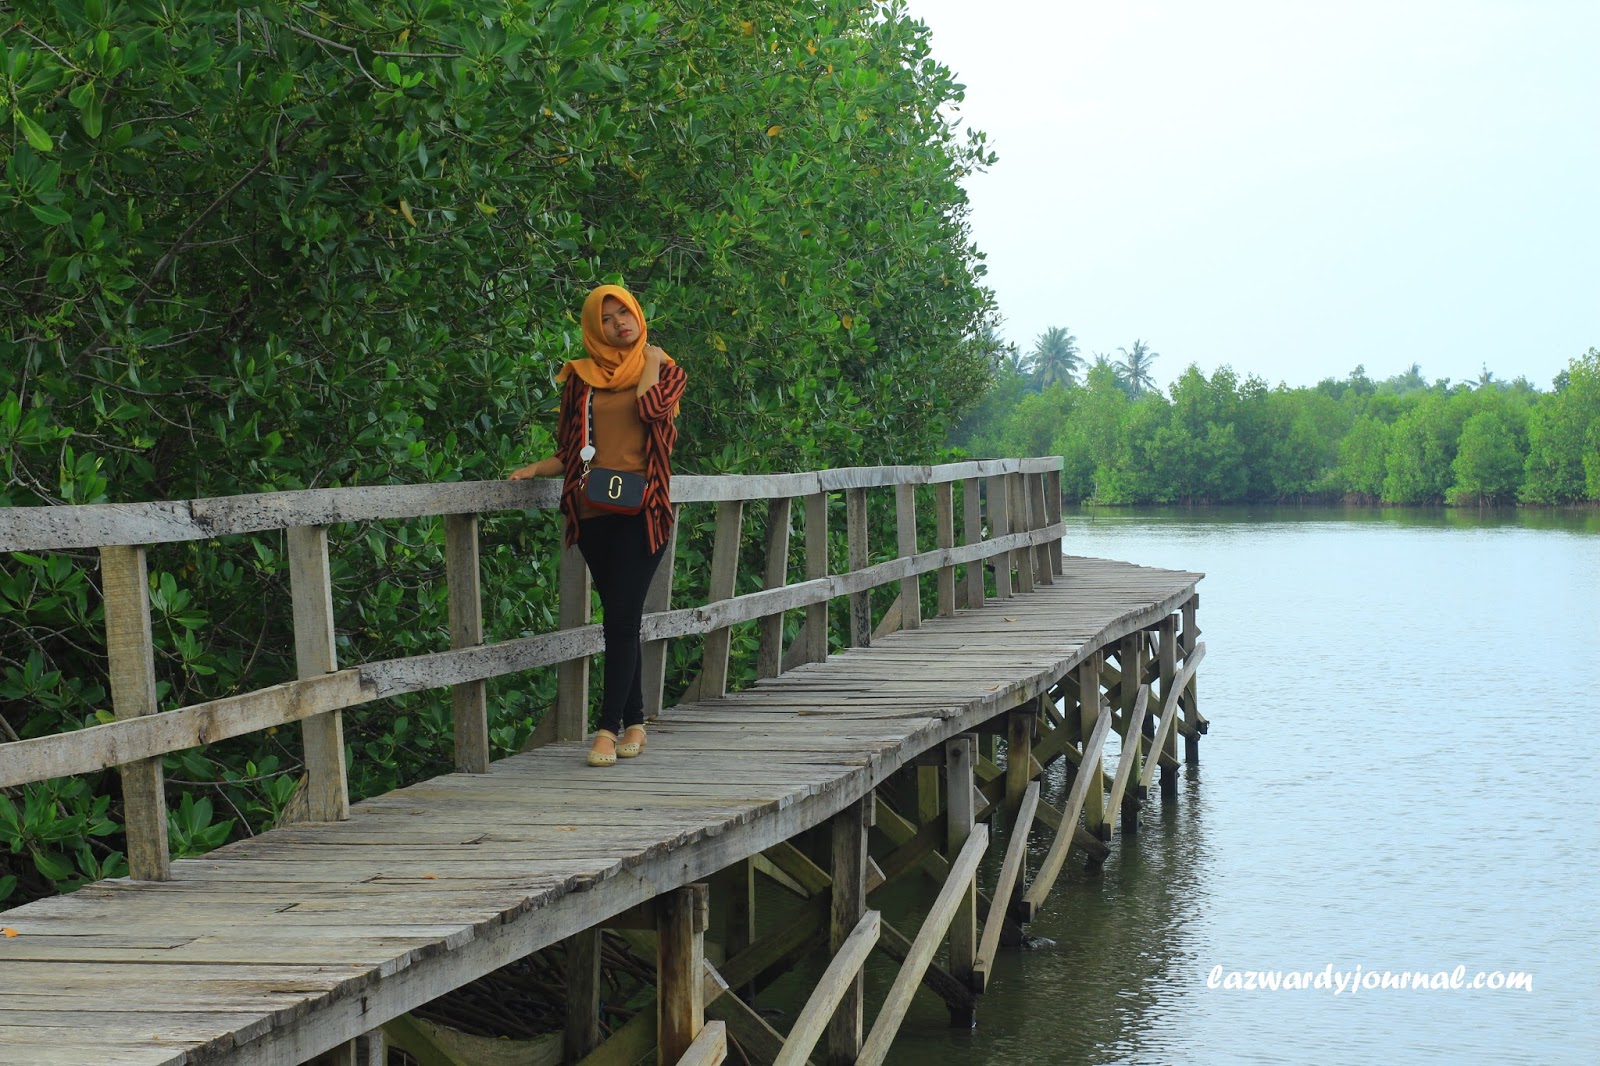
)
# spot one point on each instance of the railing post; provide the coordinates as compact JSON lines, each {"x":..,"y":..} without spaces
{"x":1019,"y":750}
{"x":999,"y":513}
{"x":125,"y":585}
{"x":960,"y":753}
{"x":816,"y":566}
{"x":769,"y":659}
{"x":653,"y":656}
{"x":1052,"y":512}
{"x":724,"y":573}
{"x":856,"y":534}
{"x":849,"y":870}
{"x":681,"y":917}
{"x":1017,"y":488}
{"x":972,"y":533}
{"x":572,"y":676}
{"x":905,"y":526}
{"x":1042,"y":571}
{"x":466,"y":631}
{"x":944,"y":521}
{"x":327,"y":794}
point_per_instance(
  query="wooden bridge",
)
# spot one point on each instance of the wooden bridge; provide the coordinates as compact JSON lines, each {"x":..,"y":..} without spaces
{"x":834,"y":774}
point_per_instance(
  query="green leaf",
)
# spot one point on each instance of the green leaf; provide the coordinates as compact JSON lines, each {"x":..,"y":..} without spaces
{"x":50,"y":216}
{"x":34,"y":133}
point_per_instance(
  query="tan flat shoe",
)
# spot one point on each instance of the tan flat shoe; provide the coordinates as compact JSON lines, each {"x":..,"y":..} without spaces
{"x":631,"y":747}
{"x":598,"y":757}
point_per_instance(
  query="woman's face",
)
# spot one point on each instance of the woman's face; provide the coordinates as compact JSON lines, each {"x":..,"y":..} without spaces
{"x":618,"y":324}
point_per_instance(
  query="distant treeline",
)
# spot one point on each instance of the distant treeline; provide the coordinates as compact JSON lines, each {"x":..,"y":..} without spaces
{"x":1222,"y":440}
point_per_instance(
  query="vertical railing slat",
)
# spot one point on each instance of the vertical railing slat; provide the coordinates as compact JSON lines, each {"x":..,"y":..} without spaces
{"x":1022,"y":558}
{"x":724,"y":574}
{"x":944,"y":521}
{"x":572,"y":677}
{"x":466,"y":631}
{"x":816,"y":566}
{"x":125,"y":585}
{"x":856,"y":534}
{"x":327,"y":793}
{"x":972,"y":533}
{"x":999,"y":515}
{"x":1043,"y":573}
{"x":653,"y":655}
{"x":769,"y":657}
{"x":905,"y":525}
{"x":1052,"y":512}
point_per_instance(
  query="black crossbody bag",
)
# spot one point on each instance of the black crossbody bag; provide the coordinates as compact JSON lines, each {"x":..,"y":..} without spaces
{"x":612,"y":491}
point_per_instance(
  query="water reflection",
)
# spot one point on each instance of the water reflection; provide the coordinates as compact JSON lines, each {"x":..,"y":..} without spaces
{"x":1395,"y":779}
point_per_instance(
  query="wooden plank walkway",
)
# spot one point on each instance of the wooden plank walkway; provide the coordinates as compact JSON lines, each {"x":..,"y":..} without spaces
{"x":274,"y":949}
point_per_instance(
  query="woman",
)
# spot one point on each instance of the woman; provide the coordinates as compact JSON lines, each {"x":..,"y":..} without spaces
{"x":635,"y":388}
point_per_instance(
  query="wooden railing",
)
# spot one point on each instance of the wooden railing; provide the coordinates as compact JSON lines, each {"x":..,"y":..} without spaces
{"x":1023,"y":535}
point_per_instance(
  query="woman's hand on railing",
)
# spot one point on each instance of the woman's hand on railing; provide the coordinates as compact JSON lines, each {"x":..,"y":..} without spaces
{"x":550,"y":467}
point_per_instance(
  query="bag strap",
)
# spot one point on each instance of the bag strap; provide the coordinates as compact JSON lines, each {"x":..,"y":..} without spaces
{"x":587,"y":454}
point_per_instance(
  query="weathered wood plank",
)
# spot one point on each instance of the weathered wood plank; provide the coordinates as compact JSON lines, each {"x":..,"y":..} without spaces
{"x":769,"y":658}
{"x":131,"y":660}
{"x":469,"y":699}
{"x":905,"y":520}
{"x":816,"y":632}
{"x":1011,"y":869}
{"x":327,"y":792}
{"x":842,"y":977}
{"x":856,"y":536}
{"x":895,"y":1004}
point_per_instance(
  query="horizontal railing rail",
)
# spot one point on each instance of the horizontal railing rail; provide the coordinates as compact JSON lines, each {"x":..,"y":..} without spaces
{"x":1022,"y":519}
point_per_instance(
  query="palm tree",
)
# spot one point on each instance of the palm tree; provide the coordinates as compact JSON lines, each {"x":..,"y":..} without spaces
{"x":1055,"y":357}
{"x":1135,"y":367}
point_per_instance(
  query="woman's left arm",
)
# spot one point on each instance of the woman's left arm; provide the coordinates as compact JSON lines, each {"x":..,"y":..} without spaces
{"x":659,"y":398}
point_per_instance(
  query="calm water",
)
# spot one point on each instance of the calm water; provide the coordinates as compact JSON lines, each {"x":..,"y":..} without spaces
{"x":1400,"y":775}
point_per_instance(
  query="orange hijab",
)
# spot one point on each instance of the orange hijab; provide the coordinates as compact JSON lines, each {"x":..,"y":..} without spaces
{"x":610,"y":367}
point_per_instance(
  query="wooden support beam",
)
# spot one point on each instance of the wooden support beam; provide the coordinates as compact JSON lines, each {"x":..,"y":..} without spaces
{"x":856,"y":535}
{"x":769,"y":658}
{"x":572,"y":676}
{"x":849,"y":876}
{"x":972,"y":533}
{"x":960,"y":753}
{"x":710,"y":1047}
{"x":1056,"y":857}
{"x":905,"y":525}
{"x":1128,"y":765}
{"x":733,"y":906}
{"x":944,"y":521}
{"x":1019,"y":751}
{"x":470,"y":702}
{"x":1190,"y":700}
{"x":680,"y":965}
{"x":999,"y":514}
{"x":1005,"y":891}
{"x":1094,"y":806}
{"x":658,"y":599}
{"x":962,"y":870}
{"x":582,"y":1032}
{"x":130,"y":653}
{"x":816,"y":631}
{"x":327,"y":793}
{"x":1162,"y":739}
{"x":724,"y":574}
{"x":1167,"y":650}
{"x":840,"y":981}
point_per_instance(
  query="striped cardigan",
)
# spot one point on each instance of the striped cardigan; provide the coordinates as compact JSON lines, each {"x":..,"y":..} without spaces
{"x":661,"y":433}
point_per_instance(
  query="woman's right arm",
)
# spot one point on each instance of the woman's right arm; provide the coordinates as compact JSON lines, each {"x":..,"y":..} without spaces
{"x":550,"y":467}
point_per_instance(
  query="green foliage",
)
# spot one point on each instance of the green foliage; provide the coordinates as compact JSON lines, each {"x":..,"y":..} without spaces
{"x":289,"y":246}
{"x":1222,"y":440}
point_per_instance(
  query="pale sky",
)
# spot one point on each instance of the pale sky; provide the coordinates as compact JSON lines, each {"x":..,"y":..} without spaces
{"x":1288,"y":187}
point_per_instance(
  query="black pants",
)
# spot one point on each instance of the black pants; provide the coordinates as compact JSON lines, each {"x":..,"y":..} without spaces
{"x":622,"y":564}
